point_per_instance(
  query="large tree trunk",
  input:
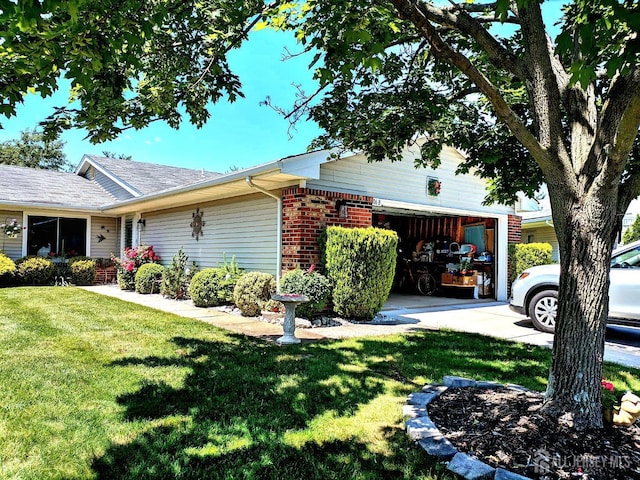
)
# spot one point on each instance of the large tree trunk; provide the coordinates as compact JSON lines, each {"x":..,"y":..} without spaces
{"x":586,"y":229}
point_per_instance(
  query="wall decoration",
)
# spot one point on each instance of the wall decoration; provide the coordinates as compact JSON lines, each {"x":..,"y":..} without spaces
{"x":100,"y":238}
{"x":196,"y":224}
{"x":433,"y":186}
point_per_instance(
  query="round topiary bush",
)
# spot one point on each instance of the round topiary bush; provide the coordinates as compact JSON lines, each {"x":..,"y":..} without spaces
{"x":126,"y":279}
{"x":35,"y":270}
{"x":313,"y":285}
{"x":212,"y":287}
{"x":252,"y":291}
{"x":7,"y":270}
{"x":83,"y":272}
{"x":148,"y":278}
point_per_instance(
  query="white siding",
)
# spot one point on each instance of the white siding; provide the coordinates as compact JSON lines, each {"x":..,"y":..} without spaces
{"x":12,"y":247}
{"x":245,"y":228}
{"x":112,"y":187}
{"x":401,"y":181}
{"x":108,"y":228}
{"x":543,"y":235}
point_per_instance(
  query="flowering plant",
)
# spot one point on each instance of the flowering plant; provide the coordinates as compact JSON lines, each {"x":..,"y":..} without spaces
{"x":11,"y":227}
{"x":134,"y":257}
{"x":610,"y":398}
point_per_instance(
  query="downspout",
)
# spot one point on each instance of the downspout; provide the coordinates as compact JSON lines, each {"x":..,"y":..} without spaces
{"x":279,"y":229}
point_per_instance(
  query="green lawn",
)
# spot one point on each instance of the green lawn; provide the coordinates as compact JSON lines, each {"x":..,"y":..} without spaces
{"x":92,"y":387}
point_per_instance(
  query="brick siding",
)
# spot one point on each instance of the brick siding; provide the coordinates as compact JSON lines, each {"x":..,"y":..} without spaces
{"x":305,"y":212}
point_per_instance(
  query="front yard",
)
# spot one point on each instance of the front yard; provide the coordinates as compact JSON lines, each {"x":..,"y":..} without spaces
{"x":93,"y":387}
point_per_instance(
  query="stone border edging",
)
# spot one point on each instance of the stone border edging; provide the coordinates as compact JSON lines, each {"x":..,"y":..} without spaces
{"x":422,"y":430}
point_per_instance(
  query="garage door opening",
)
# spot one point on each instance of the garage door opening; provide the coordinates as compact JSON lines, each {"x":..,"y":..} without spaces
{"x":443,"y":255}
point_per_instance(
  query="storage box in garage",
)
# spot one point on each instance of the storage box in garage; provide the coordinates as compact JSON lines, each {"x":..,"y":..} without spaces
{"x":447,"y":278}
{"x":467,"y":280}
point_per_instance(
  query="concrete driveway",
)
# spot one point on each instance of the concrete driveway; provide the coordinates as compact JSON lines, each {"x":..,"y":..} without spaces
{"x":497,"y":320}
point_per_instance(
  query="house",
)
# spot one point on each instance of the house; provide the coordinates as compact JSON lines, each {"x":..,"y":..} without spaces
{"x":269,"y":216}
{"x":537,"y":223}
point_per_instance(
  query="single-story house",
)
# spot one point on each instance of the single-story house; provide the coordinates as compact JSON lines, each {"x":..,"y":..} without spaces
{"x":268,"y":217}
{"x":537,"y":224}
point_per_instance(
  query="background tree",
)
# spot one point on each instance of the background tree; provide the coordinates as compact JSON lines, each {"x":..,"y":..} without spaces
{"x":119,"y":156}
{"x":524,"y":107}
{"x":632,"y":233}
{"x":33,"y":150}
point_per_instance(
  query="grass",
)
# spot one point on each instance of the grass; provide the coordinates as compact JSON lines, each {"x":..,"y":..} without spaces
{"x":92,"y":387}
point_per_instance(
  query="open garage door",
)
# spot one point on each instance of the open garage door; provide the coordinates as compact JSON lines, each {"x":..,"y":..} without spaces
{"x":443,"y":253}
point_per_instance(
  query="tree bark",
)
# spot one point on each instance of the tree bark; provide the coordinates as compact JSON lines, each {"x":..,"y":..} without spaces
{"x":585,"y":228}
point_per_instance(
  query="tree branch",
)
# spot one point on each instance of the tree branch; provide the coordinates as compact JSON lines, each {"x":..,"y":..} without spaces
{"x":234,"y":42}
{"x":468,"y":25}
{"x":418,"y":17}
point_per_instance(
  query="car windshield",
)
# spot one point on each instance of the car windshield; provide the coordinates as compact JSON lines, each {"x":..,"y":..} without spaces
{"x":627,"y":259}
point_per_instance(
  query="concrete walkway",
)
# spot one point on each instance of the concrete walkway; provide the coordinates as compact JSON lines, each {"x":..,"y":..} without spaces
{"x":402,"y":313}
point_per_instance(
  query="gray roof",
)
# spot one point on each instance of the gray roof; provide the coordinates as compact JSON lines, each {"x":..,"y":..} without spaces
{"x":50,"y":188}
{"x":148,"y":177}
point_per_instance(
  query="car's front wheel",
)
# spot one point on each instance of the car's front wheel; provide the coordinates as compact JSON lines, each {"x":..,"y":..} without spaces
{"x":543,"y":309}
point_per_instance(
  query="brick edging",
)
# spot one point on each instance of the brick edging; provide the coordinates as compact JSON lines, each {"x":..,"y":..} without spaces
{"x":422,"y":430}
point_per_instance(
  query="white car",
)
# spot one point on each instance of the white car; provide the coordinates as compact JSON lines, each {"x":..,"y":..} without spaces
{"x":535,"y":291}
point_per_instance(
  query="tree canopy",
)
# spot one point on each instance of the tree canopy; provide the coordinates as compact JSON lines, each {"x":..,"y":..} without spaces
{"x":486,"y":78}
{"x":33,"y":150}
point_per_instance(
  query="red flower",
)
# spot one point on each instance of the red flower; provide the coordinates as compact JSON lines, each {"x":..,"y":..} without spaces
{"x":607,"y":385}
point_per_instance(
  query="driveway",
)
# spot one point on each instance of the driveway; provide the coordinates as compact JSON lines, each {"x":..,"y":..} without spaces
{"x":497,"y":320}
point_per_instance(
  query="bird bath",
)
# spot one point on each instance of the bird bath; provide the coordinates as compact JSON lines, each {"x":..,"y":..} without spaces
{"x":290,"y":301}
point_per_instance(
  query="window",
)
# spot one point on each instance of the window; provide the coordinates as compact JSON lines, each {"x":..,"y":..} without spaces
{"x":58,"y":235}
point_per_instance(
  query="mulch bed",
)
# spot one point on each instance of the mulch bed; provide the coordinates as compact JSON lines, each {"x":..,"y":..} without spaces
{"x":504,"y":428}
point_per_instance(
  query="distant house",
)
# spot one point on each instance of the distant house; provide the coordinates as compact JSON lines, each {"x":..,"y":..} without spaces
{"x":268,"y":217}
{"x":537,"y":223}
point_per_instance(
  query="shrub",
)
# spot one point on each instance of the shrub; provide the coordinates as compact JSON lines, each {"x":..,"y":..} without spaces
{"x":35,"y":270}
{"x":360,"y":265}
{"x":252,"y":292}
{"x":209,"y":288}
{"x":527,"y":255}
{"x":313,"y":285}
{"x":148,"y":278}
{"x":7,"y":270}
{"x":128,"y":266}
{"x":73,"y":260}
{"x":177,"y":277}
{"x":83,"y":272}
{"x":632,"y":233}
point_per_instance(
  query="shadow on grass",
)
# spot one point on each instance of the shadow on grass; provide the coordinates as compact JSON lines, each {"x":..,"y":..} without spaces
{"x":255,"y":410}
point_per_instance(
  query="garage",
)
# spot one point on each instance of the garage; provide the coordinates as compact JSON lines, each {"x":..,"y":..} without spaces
{"x":442,"y":253}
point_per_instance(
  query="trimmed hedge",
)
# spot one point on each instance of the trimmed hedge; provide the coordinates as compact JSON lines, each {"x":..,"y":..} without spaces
{"x":83,"y":272}
{"x":7,"y":270}
{"x":252,"y":292}
{"x":148,"y":278}
{"x":212,"y":287}
{"x":313,"y":285}
{"x":527,"y":255}
{"x":360,"y":265}
{"x":35,"y":270}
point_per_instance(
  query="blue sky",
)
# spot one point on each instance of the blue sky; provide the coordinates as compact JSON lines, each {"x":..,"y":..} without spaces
{"x":241,"y":134}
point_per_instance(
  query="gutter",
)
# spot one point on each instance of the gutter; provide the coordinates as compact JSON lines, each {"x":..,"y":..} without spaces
{"x":278,"y":200}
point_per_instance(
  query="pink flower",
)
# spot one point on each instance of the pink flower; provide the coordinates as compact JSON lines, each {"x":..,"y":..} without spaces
{"x":607,"y":385}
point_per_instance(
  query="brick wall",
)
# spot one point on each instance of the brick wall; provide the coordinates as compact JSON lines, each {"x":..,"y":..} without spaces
{"x":515,"y":229}
{"x":305,"y":212}
{"x":514,"y":235}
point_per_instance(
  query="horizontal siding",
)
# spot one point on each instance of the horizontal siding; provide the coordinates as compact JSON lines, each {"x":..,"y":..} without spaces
{"x":12,"y":247}
{"x":112,"y":187}
{"x":108,"y":228}
{"x":543,"y":235}
{"x":401,"y":181}
{"x":245,"y":229}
